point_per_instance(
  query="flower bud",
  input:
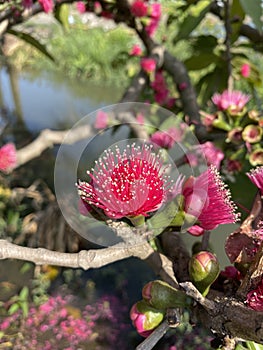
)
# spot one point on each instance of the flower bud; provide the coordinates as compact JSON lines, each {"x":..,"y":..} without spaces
{"x":252,"y":133}
{"x":203,"y":270}
{"x":145,"y":318}
{"x":235,"y":135}
{"x":256,"y":157}
{"x":161,"y":295}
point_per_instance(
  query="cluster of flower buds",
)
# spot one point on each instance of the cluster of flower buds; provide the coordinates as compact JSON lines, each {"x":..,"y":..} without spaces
{"x":244,"y":127}
{"x":148,"y":313}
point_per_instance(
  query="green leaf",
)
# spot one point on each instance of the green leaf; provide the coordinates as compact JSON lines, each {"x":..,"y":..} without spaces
{"x":62,"y":14}
{"x":162,"y":219}
{"x":24,"y":308}
{"x":254,"y":346}
{"x":196,"y":13}
{"x":204,"y":43}
{"x":13,"y":308}
{"x":236,"y":11}
{"x":200,"y":61}
{"x":253,"y":8}
{"x":32,"y":41}
{"x":23,"y":295}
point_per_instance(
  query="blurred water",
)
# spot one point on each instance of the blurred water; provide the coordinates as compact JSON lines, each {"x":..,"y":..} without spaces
{"x":44,"y":100}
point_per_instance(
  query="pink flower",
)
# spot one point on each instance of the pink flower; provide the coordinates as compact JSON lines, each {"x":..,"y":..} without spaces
{"x":245,"y":70}
{"x":256,"y":176}
{"x":255,"y":298}
{"x":8,"y":159}
{"x":148,"y":64}
{"x":47,"y":5}
{"x":127,"y":184}
{"x":140,"y":118}
{"x":209,"y":151}
{"x":213,"y":155}
{"x":136,"y":50}
{"x":102,"y":120}
{"x":81,"y":7}
{"x":207,"y":199}
{"x":139,"y":8}
{"x":27,"y":4}
{"x":155,"y":13}
{"x":234,"y":101}
{"x":166,"y":139}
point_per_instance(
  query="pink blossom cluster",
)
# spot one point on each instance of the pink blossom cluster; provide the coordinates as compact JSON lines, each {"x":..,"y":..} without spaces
{"x":161,"y":91}
{"x":133,"y":183}
{"x":56,"y":324}
{"x":233,"y":101}
{"x":141,"y":8}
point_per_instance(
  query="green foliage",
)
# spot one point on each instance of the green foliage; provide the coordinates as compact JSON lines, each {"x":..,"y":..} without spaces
{"x":254,"y":10}
{"x":32,"y":41}
{"x":20,"y":301}
{"x":92,"y":54}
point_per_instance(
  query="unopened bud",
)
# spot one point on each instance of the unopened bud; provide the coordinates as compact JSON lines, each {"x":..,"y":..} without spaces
{"x":161,"y":295}
{"x":203,"y":270}
{"x":145,"y":318}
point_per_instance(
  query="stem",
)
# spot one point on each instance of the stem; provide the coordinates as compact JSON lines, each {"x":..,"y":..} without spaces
{"x":205,"y":240}
{"x":228,"y":43}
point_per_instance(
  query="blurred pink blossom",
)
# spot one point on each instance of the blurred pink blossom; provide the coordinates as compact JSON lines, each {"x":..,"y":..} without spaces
{"x":155,"y":15}
{"x":81,"y":7}
{"x":136,"y":50}
{"x":102,"y":120}
{"x":47,"y":5}
{"x":213,"y":155}
{"x":148,"y":64}
{"x":8,"y":158}
{"x":166,"y":139}
{"x":245,"y":70}
{"x":139,"y":8}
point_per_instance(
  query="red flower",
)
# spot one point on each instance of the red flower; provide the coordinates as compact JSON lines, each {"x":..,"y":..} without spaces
{"x":139,"y":8}
{"x":136,"y":50}
{"x":245,"y":70}
{"x":256,"y":176}
{"x":127,"y":184}
{"x":207,"y":198}
{"x":7,"y":157}
{"x":47,"y":5}
{"x":148,"y":64}
{"x":255,"y":298}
